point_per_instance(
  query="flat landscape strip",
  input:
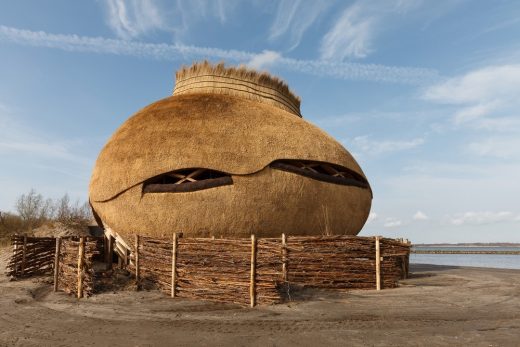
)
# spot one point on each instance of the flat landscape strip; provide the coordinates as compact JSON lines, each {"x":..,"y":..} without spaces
{"x":420,"y":251}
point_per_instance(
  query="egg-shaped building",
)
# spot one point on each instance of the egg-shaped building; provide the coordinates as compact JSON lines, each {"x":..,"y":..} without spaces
{"x":227,"y":155}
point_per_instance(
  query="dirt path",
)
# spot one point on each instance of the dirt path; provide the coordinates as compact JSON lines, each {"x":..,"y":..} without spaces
{"x":438,"y":306}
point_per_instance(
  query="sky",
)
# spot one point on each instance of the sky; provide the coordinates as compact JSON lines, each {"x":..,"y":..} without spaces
{"x":425,"y":94}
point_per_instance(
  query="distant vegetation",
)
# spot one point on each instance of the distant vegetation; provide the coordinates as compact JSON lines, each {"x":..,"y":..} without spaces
{"x":33,"y":211}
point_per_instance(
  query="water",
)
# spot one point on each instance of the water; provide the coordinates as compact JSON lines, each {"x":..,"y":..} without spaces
{"x":480,"y":260}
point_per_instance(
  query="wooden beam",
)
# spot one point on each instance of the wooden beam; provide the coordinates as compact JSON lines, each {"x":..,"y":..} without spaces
{"x":284,"y":258}
{"x":378,"y":264}
{"x":174,"y":264}
{"x":110,"y":251}
{"x":252,"y":288}
{"x":57,"y":263}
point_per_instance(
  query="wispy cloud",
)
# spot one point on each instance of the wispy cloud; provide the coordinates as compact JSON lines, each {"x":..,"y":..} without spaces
{"x":352,"y":71}
{"x":420,"y":216}
{"x":130,"y":19}
{"x":264,"y":59}
{"x":350,"y":36}
{"x":482,"y":217}
{"x":486,"y":98}
{"x":498,"y":147}
{"x":353,"y":33}
{"x":294,"y":18}
{"x":375,"y":147}
{"x":392,"y":222}
{"x":133,"y":18}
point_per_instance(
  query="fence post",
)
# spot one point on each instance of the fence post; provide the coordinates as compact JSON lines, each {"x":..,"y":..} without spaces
{"x":284,"y":257}
{"x":378,"y":264}
{"x":57,"y":263}
{"x":110,"y":251}
{"x":16,"y":243}
{"x":174,"y":264}
{"x":252,"y":287}
{"x":137,"y":274}
{"x":24,"y":254}
{"x":81,"y":252}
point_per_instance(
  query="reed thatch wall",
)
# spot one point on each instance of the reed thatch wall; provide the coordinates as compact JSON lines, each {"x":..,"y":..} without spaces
{"x":239,"y":131}
{"x":220,"y":132}
{"x":267,"y":203}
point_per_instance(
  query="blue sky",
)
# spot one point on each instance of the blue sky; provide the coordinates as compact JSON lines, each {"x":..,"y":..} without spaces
{"x":425,"y":94}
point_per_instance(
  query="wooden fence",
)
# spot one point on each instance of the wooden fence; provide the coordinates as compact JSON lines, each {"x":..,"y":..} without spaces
{"x":254,"y":271}
{"x":69,"y":258}
{"x":74,"y":272}
{"x":244,"y":271}
{"x":31,"y":256}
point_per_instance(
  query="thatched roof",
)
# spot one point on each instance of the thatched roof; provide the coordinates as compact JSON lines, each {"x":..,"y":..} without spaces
{"x":233,"y":121}
{"x":267,"y":203}
{"x":220,"y":132}
{"x":239,"y":81}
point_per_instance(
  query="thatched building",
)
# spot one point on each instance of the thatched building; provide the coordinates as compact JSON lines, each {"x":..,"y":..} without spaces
{"x":228,"y":154}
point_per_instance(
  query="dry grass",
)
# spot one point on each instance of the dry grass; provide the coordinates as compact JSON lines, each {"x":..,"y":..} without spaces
{"x":240,"y":72}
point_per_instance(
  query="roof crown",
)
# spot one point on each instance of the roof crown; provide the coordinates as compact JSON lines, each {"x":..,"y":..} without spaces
{"x":239,"y":81}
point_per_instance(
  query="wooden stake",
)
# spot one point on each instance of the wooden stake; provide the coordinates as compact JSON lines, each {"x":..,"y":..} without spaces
{"x":24,"y":253}
{"x":110,"y":252}
{"x":284,"y":258}
{"x":252,"y":289}
{"x":57,"y":263}
{"x":137,"y":277}
{"x":378,"y":265}
{"x":15,"y":251}
{"x":174,"y":264}
{"x":81,"y":252}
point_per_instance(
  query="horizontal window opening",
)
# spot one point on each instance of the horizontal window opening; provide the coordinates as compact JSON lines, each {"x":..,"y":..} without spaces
{"x":186,"y":180}
{"x":326,"y":172}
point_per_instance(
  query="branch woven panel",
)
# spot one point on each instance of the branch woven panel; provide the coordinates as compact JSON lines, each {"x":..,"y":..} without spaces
{"x":39,"y":256}
{"x":155,"y":262}
{"x":335,"y":262}
{"x":68,"y":266}
{"x":216,"y":270}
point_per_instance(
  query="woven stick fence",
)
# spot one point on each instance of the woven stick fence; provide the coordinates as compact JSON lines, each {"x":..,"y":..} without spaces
{"x":254,"y":271}
{"x":31,"y":256}
{"x":74,"y":256}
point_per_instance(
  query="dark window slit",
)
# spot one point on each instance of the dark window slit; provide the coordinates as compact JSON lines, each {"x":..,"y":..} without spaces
{"x":326,"y":172}
{"x":186,"y":180}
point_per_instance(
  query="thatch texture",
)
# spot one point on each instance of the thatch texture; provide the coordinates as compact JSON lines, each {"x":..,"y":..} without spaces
{"x":243,"y":82}
{"x":231,"y":132}
{"x":266,"y":203}
{"x":219,"y":132}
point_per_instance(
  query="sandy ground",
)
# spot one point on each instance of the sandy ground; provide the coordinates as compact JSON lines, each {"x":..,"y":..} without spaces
{"x":438,"y":306}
